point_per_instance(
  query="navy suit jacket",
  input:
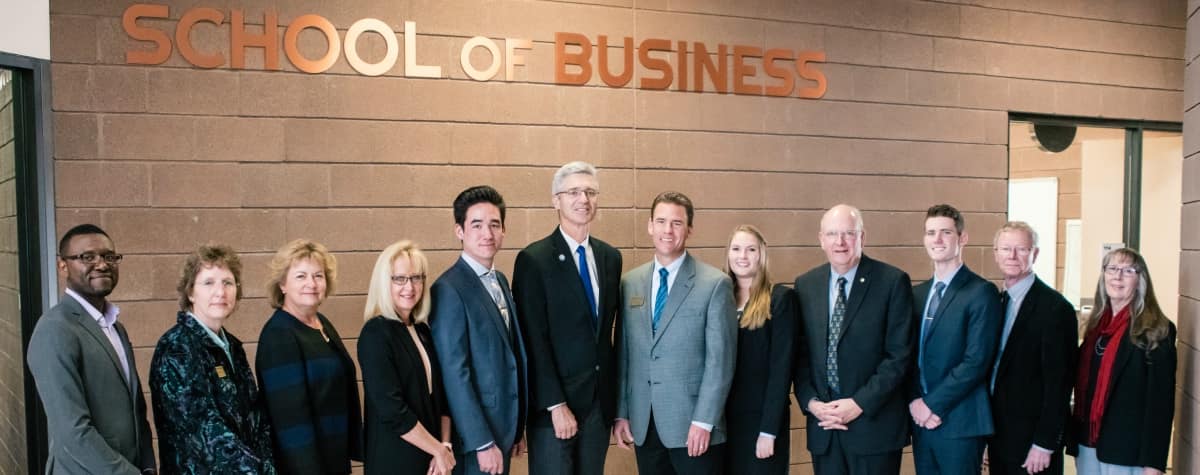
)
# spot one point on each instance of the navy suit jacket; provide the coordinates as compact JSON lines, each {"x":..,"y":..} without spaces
{"x":571,"y":360}
{"x":958,"y":354}
{"x":483,"y":363}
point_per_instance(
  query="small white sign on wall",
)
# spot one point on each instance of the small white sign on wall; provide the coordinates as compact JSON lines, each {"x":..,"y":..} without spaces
{"x":1035,"y":201}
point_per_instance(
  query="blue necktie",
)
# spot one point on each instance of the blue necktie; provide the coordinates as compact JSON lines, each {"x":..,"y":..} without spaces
{"x":586,"y":275}
{"x":660,"y":299}
{"x":927,"y":324}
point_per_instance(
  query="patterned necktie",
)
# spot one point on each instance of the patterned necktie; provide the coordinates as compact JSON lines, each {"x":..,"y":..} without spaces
{"x":586,"y":276}
{"x":498,"y":296}
{"x":926,"y":326}
{"x":660,"y":299}
{"x":835,"y":330}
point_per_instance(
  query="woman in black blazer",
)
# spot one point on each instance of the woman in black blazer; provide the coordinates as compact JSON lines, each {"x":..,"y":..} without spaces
{"x":1125,"y":386}
{"x":407,"y":426}
{"x":757,"y":409}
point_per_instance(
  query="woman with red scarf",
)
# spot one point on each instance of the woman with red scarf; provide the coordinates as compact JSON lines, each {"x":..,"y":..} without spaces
{"x":1125,"y":386}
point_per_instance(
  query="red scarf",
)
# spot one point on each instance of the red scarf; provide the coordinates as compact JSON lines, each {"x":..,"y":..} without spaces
{"x":1113,"y":327}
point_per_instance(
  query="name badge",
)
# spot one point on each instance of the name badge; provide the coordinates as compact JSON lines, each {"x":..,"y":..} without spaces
{"x":637,"y":301}
{"x":220,"y":371}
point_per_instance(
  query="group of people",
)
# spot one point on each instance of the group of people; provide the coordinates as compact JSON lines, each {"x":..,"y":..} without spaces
{"x":690,"y":366}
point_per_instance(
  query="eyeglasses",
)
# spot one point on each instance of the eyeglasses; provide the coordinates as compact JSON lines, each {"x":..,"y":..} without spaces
{"x":416,"y":279}
{"x":1007,"y":251}
{"x":1123,"y":271}
{"x":91,"y":258}
{"x":847,"y":235}
{"x":576,"y":193}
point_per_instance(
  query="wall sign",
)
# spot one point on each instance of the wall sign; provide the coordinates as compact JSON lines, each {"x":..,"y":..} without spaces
{"x":737,"y":69}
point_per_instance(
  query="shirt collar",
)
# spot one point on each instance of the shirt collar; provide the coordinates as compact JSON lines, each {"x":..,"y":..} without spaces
{"x":1018,"y":290}
{"x":673,"y":267}
{"x":219,"y":339}
{"x":949,"y":277}
{"x":479,"y":269}
{"x":849,"y":275}
{"x":106,"y":319}
{"x":571,"y":244}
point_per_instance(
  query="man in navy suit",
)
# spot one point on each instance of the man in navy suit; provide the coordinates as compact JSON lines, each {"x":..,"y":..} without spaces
{"x":478,"y":341}
{"x":567,"y":288}
{"x":958,"y":326}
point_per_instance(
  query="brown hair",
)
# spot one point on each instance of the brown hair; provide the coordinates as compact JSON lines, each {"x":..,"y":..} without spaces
{"x":208,"y":255}
{"x":1147,"y":324}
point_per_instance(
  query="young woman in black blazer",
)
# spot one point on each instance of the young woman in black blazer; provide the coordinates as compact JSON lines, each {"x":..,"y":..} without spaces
{"x":407,"y":424}
{"x":757,"y":408}
{"x":1125,"y":386}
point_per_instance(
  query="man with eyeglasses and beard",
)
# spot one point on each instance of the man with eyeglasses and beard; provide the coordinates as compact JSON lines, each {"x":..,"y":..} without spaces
{"x":83,"y":365}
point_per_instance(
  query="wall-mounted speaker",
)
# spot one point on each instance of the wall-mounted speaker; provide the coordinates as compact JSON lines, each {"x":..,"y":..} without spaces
{"x":1053,"y":138}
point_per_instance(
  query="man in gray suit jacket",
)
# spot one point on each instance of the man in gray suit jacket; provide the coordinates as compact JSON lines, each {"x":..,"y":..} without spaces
{"x":677,"y":350}
{"x":83,"y":365}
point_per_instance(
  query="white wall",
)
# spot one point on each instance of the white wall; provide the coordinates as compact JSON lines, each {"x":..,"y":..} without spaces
{"x":1162,"y":185}
{"x":25,"y":27}
{"x":1102,"y":203}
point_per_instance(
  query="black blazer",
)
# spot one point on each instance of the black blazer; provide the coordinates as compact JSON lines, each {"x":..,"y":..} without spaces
{"x":1136,"y":428}
{"x":397,"y":395}
{"x":1031,"y":398}
{"x":959,"y":353}
{"x":875,"y":351}
{"x":762,"y":378}
{"x":569,"y":361}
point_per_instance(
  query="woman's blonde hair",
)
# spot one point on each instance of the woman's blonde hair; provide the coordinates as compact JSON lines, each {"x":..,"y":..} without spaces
{"x":1147,"y":324}
{"x":299,"y":250}
{"x":758,"y":307}
{"x":379,"y":294}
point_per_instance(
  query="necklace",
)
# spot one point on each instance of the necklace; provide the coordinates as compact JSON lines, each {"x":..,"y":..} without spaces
{"x":1101,"y":345}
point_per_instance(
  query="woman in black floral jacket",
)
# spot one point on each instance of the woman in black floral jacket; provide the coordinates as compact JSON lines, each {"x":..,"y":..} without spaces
{"x":207,"y":408}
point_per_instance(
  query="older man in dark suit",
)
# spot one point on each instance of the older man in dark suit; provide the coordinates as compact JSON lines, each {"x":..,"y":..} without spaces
{"x":479,"y":342}
{"x":567,"y":291}
{"x":1031,"y":379}
{"x":854,"y":351}
{"x":83,"y":365}
{"x":958,"y":325}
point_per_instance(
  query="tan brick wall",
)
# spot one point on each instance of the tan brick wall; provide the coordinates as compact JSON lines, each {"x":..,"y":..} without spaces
{"x":12,"y":373}
{"x":916,"y":112}
{"x":1187,"y":409}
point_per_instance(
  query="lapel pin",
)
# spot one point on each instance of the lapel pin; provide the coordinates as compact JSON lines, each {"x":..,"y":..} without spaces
{"x":562,"y":258}
{"x":862,"y":279}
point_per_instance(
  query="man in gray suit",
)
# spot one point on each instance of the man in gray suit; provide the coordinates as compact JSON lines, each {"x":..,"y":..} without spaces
{"x":677,"y":351}
{"x":83,"y":365}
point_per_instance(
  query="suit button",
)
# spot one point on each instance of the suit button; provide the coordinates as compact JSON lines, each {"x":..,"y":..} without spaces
{"x":597,"y":367}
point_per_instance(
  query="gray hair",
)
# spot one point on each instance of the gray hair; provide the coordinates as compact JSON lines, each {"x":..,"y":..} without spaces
{"x":568,"y":170}
{"x":1017,"y":226}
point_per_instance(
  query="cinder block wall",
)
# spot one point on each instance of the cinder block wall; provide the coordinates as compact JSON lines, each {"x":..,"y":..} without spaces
{"x":12,"y":373}
{"x":1187,"y":413}
{"x":166,"y":157}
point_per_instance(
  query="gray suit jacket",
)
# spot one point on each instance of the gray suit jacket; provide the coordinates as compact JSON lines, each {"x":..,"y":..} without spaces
{"x":97,"y":422}
{"x":683,"y":372}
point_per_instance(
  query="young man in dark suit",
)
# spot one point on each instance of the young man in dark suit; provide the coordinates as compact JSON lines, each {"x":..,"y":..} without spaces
{"x":853,"y":353}
{"x":478,"y":341}
{"x":567,"y":290}
{"x":82,"y":361}
{"x":957,"y":329}
{"x":1031,"y":379}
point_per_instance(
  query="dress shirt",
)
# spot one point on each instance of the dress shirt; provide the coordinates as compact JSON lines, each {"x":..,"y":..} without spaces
{"x":107,"y":320}
{"x":486,"y":276}
{"x":217,"y":338}
{"x":591,"y":260}
{"x":672,"y":272}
